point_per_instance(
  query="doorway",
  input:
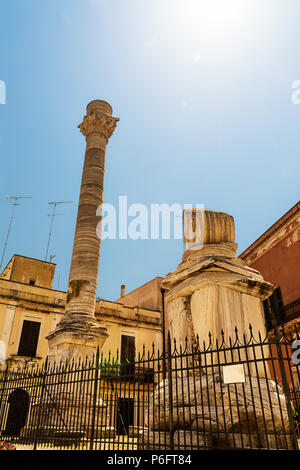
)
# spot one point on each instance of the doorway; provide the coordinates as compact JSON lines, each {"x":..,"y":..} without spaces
{"x":17,"y":413}
{"x":124,"y":415}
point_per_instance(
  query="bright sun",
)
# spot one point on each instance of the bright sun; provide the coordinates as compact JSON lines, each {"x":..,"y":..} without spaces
{"x":212,"y":17}
{"x":205,"y":25}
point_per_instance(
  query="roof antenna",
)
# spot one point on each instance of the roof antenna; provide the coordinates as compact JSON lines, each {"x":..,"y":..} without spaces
{"x":54,"y":204}
{"x":14,"y":204}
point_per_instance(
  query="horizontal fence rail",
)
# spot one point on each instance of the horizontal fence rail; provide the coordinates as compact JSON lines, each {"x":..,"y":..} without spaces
{"x":239,"y":394}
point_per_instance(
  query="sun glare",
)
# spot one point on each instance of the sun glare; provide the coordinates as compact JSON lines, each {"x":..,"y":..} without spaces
{"x":207,"y":24}
{"x":213,"y":18}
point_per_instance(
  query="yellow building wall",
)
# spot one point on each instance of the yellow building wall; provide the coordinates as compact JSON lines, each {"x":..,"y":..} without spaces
{"x":19,"y":302}
{"x":142,"y":336}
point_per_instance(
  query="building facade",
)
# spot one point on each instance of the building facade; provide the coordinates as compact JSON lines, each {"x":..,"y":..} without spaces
{"x":30,"y":309}
{"x":276,"y":254}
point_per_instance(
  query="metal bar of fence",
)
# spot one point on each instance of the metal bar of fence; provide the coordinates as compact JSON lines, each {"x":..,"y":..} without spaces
{"x":87,"y":399}
{"x":2,"y":405}
{"x":40,"y":404}
{"x":170,"y":391}
{"x":285,"y":388}
{"x":94,"y":399}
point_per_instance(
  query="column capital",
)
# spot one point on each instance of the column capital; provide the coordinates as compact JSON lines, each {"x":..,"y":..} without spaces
{"x":98,"y":123}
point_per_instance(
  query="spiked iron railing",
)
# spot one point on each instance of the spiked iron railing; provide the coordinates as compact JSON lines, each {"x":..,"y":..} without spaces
{"x":178,"y":399}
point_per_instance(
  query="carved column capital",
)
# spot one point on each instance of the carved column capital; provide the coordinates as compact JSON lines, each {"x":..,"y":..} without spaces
{"x":99,"y":124}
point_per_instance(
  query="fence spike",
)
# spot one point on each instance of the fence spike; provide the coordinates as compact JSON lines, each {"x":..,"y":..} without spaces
{"x":86,"y":361}
{"x":236,"y":334}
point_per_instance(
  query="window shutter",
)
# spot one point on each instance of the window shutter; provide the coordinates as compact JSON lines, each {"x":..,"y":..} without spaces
{"x":274,"y":309}
{"x":29,"y":338}
{"x":127,"y":354}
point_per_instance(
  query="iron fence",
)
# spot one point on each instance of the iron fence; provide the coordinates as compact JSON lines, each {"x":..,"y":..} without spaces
{"x":238,"y":393}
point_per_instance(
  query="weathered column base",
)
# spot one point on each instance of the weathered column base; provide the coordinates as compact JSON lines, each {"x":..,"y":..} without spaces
{"x":68,"y":418}
{"x":76,"y":337}
{"x":206,"y":413}
{"x":188,"y":439}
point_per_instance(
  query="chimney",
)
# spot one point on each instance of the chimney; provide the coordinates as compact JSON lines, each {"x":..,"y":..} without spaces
{"x":123,"y":290}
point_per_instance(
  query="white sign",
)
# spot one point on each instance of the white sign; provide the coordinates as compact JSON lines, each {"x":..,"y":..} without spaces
{"x":234,"y":374}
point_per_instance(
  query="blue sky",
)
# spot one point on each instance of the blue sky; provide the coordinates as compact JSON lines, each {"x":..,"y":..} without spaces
{"x":203,"y":93}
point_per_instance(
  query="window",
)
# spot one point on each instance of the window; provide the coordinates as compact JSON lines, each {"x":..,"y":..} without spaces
{"x":29,"y":338}
{"x":127,"y":354}
{"x":274,"y":310}
{"x":32,"y":282}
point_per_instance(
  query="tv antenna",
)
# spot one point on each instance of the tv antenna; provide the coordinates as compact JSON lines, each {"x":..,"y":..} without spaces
{"x":14,"y":204}
{"x":52,"y":256}
{"x":53,"y":215}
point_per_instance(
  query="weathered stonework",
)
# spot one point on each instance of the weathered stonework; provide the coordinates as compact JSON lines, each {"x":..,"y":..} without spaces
{"x":207,"y":414}
{"x":66,"y":418}
{"x":210,"y":291}
{"x":204,"y":404}
{"x":222,"y":292}
{"x":78,"y":334}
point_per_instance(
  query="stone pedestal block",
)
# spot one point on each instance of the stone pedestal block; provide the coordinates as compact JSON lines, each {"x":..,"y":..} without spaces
{"x":66,"y":417}
{"x":78,"y":337}
{"x":193,"y":440}
{"x":253,"y":414}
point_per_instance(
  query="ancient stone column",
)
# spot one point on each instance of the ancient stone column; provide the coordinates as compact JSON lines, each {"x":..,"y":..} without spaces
{"x":78,"y":333}
{"x":213,"y":290}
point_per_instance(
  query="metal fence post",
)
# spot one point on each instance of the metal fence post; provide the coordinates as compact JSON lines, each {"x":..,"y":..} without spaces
{"x":95,"y":398}
{"x":164,"y":331}
{"x":40,"y":404}
{"x":170,"y":388}
{"x":285,"y":386}
{"x":2,"y":393}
